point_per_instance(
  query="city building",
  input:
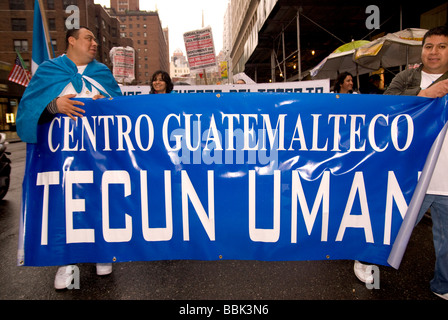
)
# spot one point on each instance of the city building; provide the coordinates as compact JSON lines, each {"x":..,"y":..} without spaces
{"x":281,"y":40}
{"x":179,"y":70}
{"x":122,"y":6}
{"x":16,"y":34}
{"x":150,"y":40}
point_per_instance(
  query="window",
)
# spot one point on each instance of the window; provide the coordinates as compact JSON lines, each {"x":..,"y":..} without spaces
{"x":21,"y":45}
{"x":18,"y":24}
{"x":50,"y":4}
{"x":17,"y":4}
{"x":66,"y":3}
{"x":52,"y":24}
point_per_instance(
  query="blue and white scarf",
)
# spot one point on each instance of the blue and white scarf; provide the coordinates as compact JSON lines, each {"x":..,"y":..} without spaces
{"x":51,"y":78}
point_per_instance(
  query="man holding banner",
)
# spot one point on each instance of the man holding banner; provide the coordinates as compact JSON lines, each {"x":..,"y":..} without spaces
{"x":74,"y":75}
{"x":431,"y":80}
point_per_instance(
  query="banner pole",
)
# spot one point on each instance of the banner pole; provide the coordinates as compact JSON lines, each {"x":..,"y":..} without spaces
{"x":410,"y":219}
{"x":45,"y":24}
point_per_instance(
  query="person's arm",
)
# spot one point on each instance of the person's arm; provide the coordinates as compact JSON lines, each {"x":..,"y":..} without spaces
{"x":48,"y":113}
{"x":62,"y":105}
{"x":437,"y":90}
{"x":400,"y":86}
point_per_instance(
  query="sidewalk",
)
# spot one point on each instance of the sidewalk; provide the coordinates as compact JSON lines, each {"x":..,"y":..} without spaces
{"x":11,"y":136}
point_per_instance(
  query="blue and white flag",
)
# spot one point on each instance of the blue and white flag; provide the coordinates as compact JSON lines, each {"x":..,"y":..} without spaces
{"x":40,"y":48}
{"x":249,"y":176}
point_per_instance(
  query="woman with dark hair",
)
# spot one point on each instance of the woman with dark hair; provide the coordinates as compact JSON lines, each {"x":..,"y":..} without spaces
{"x":344,"y":83}
{"x":161,"y":82}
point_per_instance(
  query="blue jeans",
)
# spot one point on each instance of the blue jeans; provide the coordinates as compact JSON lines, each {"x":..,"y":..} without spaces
{"x":439,"y":215}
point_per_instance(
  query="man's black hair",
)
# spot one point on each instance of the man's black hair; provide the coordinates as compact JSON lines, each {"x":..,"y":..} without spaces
{"x":73,"y":33}
{"x":437,"y":31}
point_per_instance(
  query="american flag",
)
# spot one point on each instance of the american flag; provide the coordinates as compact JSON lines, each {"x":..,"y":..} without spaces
{"x":18,"y":74}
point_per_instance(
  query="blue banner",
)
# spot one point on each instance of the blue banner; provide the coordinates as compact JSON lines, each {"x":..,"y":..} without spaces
{"x":253,"y":176}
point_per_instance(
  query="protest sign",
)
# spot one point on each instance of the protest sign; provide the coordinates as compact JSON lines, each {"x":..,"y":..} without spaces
{"x":200,"y":49}
{"x":123,"y":64}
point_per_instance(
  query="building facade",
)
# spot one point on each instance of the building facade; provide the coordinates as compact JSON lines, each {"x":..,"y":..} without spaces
{"x":150,"y":40}
{"x":179,"y":69}
{"x":16,"y":27}
{"x":122,"y":6}
{"x":281,"y":40}
{"x":16,"y":34}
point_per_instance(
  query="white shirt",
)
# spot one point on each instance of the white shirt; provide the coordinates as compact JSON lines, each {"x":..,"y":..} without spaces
{"x":428,"y":79}
{"x":439,"y":180}
{"x":85,"y":93}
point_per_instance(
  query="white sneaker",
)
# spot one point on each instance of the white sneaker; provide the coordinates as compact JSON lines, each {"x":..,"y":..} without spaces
{"x":103,"y":269}
{"x":64,"y":277}
{"x":443,"y":296}
{"x":362,"y":273}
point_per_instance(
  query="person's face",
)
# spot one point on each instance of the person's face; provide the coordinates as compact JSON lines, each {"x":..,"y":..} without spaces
{"x":158,"y":84}
{"x":347,"y":85}
{"x":435,"y":54}
{"x":83,"y":49}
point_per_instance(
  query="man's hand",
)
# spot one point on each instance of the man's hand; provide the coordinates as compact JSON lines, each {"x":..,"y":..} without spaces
{"x":437,"y":90}
{"x":69,"y":107}
{"x":98,"y":96}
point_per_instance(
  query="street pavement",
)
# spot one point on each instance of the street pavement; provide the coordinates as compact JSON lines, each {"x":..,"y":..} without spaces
{"x":210,"y":280}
